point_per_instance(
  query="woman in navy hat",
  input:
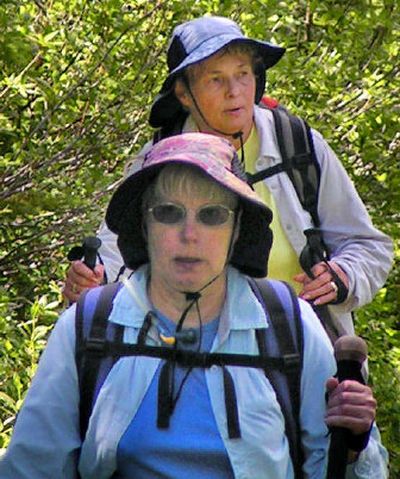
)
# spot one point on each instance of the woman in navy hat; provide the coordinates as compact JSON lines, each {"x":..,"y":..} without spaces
{"x":194,"y":231}
{"x":216,"y":80}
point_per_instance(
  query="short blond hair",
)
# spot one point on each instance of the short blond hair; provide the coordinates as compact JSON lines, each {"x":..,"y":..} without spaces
{"x":184,"y":180}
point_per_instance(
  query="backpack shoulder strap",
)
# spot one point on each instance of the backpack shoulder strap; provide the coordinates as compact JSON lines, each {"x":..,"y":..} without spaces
{"x":92,"y":331}
{"x":299,"y":160}
{"x":284,"y":337}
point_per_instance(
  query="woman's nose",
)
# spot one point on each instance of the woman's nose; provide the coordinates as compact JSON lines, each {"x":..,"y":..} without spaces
{"x":189,"y":228}
{"x":232,"y":86}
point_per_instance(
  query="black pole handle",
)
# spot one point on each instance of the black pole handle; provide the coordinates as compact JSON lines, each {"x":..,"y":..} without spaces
{"x":350,"y":353}
{"x":91,"y":244}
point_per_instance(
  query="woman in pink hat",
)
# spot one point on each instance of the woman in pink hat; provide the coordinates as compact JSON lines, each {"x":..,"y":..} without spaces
{"x":215,"y":83}
{"x":189,"y":401}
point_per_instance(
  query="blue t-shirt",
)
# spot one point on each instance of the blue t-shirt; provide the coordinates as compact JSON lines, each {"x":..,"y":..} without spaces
{"x":191,"y":446}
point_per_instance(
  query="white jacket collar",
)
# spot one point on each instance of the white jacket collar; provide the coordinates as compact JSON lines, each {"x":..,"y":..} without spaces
{"x":265,"y":127}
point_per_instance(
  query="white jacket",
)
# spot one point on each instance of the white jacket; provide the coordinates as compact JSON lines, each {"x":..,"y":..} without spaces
{"x":362,"y":251}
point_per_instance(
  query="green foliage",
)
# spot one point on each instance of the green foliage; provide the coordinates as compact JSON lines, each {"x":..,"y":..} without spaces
{"x":21,"y":341}
{"x":77,"y":79}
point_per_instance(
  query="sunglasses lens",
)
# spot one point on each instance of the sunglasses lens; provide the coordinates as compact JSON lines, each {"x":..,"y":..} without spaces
{"x":214,"y":215}
{"x":168,"y":214}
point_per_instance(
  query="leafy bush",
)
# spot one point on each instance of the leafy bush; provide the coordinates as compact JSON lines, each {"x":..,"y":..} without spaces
{"x":77,"y":82}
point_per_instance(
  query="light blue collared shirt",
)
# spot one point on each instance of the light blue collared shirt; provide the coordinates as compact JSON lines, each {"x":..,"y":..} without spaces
{"x":46,"y":436}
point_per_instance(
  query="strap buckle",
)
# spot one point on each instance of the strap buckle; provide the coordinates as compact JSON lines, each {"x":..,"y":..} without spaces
{"x":302,"y":160}
{"x":96,"y":346}
{"x":291,"y":361}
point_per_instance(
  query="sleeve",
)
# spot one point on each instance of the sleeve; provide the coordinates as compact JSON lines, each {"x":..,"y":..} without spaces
{"x":110,"y":255}
{"x":362,"y":251}
{"x":373,"y":460}
{"x":46,"y":440}
{"x":318,"y":366}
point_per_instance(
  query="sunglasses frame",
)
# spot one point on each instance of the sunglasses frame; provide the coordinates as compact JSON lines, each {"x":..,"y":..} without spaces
{"x":184,"y":210}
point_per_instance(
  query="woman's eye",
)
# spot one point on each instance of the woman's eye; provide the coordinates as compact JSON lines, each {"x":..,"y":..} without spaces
{"x":216,"y":80}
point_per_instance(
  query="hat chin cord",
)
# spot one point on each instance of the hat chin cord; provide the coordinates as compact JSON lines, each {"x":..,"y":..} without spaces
{"x":194,"y":297}
{"x":168,"y":392}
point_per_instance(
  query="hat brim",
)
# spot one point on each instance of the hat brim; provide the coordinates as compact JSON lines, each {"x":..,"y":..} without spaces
{"x":167,"y":106}
{"x":124,"y":217}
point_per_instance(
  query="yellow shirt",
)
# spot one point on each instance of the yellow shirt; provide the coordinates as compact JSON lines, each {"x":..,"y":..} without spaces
{"x":283,"y":262}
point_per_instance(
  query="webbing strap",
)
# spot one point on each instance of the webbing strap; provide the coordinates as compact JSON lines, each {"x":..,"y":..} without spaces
{"x":191,"y":358}
{"x":232,"y":413}
{"x":88,"y":364}
{"x":295,"y":144}
{"x":266,"y":173}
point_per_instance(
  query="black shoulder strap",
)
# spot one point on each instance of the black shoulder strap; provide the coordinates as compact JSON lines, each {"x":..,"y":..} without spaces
{"x":298,"y":159}
{"x":298,"y":155}
{"x":92,"y":332}
{"x":284,"y":338}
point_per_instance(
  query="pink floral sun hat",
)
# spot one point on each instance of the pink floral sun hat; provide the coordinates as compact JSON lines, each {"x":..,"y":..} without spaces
{"x":216,"y":158}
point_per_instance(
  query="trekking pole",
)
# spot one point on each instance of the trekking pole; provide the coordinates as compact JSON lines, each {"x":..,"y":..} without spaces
{"x":350,"y":353}
{"x":87,"y":251}
{"x":90,"y":246}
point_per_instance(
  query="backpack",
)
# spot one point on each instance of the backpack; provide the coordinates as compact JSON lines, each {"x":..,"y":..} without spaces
{"x":99,"y":345}
{"x":299,"y":162}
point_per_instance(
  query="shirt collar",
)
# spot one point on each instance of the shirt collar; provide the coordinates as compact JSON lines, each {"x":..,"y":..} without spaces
{"x":132,"y":304}
{"x":264,"y":122}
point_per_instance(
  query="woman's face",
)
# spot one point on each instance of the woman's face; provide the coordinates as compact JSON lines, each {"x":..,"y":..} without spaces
{"x":187,"y":255}
{"x":224,"y":88}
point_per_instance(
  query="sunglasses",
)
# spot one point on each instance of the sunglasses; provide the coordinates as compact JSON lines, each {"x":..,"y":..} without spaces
{"x":173,"y":214}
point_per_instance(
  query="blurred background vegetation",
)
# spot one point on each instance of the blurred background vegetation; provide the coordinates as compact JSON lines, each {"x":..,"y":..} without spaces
{"x":76,"y":82}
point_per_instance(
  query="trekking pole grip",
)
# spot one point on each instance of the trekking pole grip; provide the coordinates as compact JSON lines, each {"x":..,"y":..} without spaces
{"x":350,"y":353}
{"x":91,"y":244}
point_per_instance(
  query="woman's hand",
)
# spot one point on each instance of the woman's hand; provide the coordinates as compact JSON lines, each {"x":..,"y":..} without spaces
{"x":79,"y":278}
{"x":350,"y":405}
{"x":322,"y":289}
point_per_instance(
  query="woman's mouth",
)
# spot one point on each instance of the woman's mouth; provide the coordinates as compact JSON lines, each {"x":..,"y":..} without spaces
{"x":234,"y":111}
{"x":187,"y":259}
{"x":187,"y":262}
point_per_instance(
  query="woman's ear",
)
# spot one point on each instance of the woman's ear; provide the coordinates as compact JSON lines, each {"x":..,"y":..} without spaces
{"x":182,"y":94}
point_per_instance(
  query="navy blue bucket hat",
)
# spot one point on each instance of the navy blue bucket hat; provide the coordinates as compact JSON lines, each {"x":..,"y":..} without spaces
{"x":195,"y":41}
